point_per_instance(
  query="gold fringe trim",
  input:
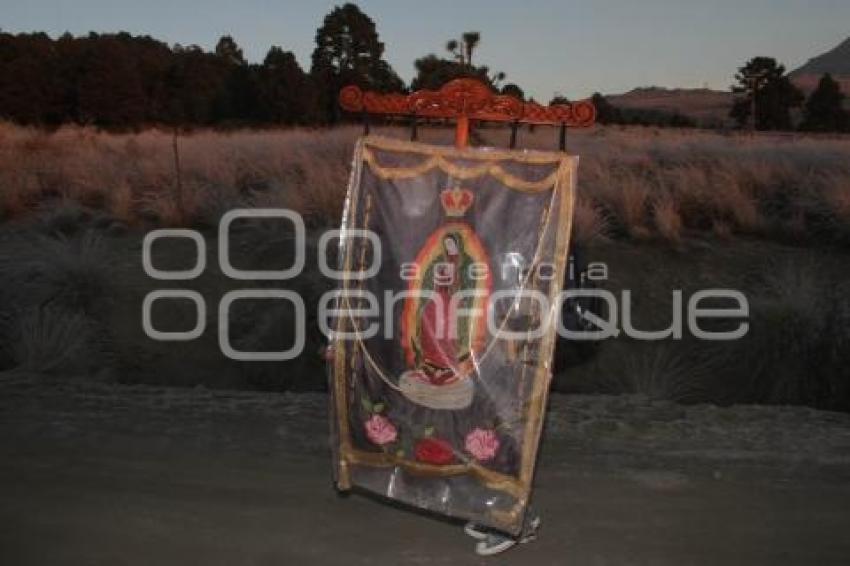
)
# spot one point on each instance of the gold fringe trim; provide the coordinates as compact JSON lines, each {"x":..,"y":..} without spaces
{"x":473,"y":153}
{"x":458,"y":172}
{"x":438,"y":159}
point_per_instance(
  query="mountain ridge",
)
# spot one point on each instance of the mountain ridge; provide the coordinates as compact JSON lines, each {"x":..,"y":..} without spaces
{"x":836,"y":62}
{"x":711,"y":107}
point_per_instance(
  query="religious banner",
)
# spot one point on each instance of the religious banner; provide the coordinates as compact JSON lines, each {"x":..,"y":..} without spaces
{"x":452,"y":262}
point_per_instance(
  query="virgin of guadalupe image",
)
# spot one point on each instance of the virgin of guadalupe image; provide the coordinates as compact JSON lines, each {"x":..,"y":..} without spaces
{"x":444,"y":317}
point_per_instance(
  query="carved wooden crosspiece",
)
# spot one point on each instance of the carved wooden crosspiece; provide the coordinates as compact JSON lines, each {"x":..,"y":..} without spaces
{"x":467,"y":99}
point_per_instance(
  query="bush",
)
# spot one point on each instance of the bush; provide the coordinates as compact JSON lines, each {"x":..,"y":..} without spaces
{"x":52,"y":341}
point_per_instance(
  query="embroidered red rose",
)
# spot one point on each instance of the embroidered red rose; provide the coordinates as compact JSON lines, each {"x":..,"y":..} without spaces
{"x":380,"y":430}
{"x":433,"y":451}
{"x":482,"y":444}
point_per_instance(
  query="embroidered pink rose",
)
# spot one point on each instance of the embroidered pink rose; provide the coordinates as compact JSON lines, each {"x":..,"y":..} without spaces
{"x":482,"y":444}
{"x":380,"y":430}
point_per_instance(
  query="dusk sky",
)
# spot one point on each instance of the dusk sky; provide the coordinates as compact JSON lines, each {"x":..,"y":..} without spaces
{"x":546,"y":46}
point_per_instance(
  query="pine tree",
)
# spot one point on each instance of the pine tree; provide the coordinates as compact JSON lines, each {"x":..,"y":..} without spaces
{"x":775,"y":95}
{"x":606,"y":113}
{"x":824,"y":110}
{"x":433,"y":72}
{"x":287,"y":94}
{"x":348,"y":51}
{"x":514,"y":90}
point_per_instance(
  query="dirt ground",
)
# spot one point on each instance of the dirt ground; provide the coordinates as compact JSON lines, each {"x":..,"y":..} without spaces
{"x":109,"y":474}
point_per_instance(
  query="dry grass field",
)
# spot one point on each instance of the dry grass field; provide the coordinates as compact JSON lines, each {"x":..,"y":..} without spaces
{"x":768,"y":215}
{"x":635,"y":183}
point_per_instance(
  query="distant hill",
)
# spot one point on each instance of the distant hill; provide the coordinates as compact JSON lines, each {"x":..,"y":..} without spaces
{"x":835,"y":62}
{"x":705,"y":106}
{"x":711,"y":107}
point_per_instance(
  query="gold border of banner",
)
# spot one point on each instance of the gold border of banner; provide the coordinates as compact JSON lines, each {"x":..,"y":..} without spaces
{"x":519,"y":486}
{"x":340,"y":376}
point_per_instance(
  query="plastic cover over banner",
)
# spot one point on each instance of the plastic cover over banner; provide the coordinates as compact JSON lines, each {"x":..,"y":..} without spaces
{"x":444,"y":323}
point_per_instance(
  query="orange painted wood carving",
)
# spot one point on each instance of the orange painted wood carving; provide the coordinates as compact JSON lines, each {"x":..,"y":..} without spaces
{"x":467,"y":99}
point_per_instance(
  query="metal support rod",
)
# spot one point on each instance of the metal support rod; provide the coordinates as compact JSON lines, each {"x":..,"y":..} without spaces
{"x":514,"y":128}
{"x":364,"y":117}
{"x":562,"y":138}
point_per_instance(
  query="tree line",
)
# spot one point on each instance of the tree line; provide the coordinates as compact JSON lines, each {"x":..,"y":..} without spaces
{"x":767,"y":98}
{"x":123,"y":81}
{"x":120,"y":81}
